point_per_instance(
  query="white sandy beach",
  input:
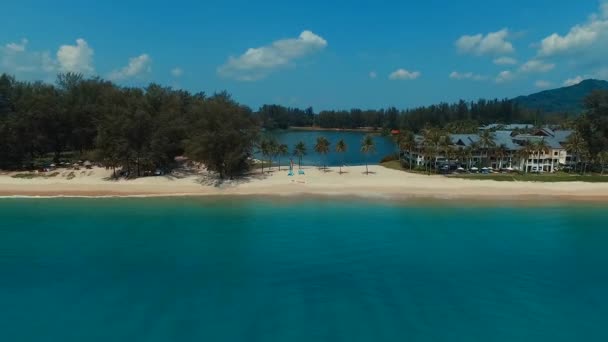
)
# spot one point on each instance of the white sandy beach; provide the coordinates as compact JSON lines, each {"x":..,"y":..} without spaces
{"x":380,"y":183}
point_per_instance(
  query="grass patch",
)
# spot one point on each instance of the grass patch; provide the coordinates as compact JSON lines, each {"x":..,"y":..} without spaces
{"x":501,"y":177}
{"x":396,"y":165}
{"x":548,"y":178}
{"x":35,"y":175}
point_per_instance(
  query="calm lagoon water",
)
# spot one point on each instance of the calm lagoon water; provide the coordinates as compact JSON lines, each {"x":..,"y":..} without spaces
{"x":353,"y":156}
{"x":307,"y":270}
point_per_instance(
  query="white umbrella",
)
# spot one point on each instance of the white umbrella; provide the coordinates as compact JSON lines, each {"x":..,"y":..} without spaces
{"x":474,"y":169}
{"x":460,"y":169}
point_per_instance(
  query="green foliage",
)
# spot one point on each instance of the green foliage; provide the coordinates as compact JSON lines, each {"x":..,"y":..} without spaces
{"x":136,"y":129}
{"x":389,"y":158}
{"x":223,"y":135}
{"x":300,"y":151}
{"x":322,"y":147}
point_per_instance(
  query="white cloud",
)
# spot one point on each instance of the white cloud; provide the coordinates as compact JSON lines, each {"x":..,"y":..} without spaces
{"x":493,"y":43}
{"x":573,"y":81}
{"x":373,"y":74}
{"x":402,"y":74}
{"x":505,"y":61}
{"x":540,"y":84}
{"x":76,"y":58}
{"x":580,"y":37}
{"x":177,"y":72}
{"x":15,"y":58}
{"x":136,"y":67}
{"x":17,"y":47}
{"x":505,"y":76}
{"x":257,"y":63}
{"x":536,"y":65}
{"x":455,"y":75}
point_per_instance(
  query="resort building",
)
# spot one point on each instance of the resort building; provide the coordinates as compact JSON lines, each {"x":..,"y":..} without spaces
{"x":536,"y":150}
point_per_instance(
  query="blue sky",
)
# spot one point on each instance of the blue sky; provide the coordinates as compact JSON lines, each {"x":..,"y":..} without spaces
{"x":329,"y":55}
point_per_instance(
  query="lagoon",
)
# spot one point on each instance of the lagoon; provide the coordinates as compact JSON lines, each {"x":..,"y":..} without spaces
{"x":311,"y":269}
{"x":353,"y":156}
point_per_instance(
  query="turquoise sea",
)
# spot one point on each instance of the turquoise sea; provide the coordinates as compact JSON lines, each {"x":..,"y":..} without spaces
{"x":255,"y":269}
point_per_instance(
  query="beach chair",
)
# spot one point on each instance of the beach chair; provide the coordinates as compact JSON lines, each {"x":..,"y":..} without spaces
{"x":301,"y":172}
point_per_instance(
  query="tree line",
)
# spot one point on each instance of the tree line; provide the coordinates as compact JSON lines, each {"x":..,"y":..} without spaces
{"x":135,"y":129}
{"x":271,"y":149}
{"x":144,"y":129}
{"x":587,"y":146}
{"x":461,"y":117}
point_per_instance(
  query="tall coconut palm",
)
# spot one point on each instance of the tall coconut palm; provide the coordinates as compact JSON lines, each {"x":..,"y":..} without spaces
{"x":541,"y":147}
{"x":407,"y":142}
{"x":367,"y":146}
{"x":486,"y":142}
{"x":576,"y":145}
{"x":282,"y":150}
{"x":524,"y":154}
{"x":300,"y":151}
{"x":341,"y":148}
{"x":264,"y":148}
{"x":446,"y":147}
{"x":602,"y":159}
{"x":431,"y":139}
{"x":273,"y":149}
{"x":462,"y":154}
{"x":322,"y":147}
{"x":585,"y":158}
{"x":501,"y":152}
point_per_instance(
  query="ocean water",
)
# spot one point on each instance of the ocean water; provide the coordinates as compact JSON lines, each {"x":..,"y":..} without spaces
{"x":301,"y":270}
{"x":353,"y":155}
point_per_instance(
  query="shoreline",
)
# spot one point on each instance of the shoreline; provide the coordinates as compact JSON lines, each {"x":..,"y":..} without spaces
{"x":383,"y":184}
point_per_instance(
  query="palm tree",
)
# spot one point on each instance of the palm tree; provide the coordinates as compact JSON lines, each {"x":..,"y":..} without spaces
{"x":341,"y":148}
{"x":431,"y":139}
{"x":264,"y":147}
{"x":602,"y":159}
{"x":541,"y":148}
{"x":282,"y":150}
{"x":524,"y":153}
{"x":501,"y":152}
{"x":299,"y":151}
{"x":585,"y":158}
{"x":445,"y":147}
{"x":273,"y":149}
{"x":576,"y":145}
{"x":407,"y":142}
{"x":367,"y":146}
{"x":463,"y":156}
{"x":322,"y":147}
{"x":486,"y":142}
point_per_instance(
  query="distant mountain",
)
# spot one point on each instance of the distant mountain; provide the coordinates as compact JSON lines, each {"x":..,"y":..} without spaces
{"x":567,"y":99}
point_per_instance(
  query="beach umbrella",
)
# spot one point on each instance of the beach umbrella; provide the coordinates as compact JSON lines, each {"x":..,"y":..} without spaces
{"x":87,"y":163}
{"x":52,"y":165}
{"x":474,"y":169}
{"x":460,"y":169}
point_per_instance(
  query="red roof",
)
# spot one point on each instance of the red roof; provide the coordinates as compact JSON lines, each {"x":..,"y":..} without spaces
{"x":395,"y":132}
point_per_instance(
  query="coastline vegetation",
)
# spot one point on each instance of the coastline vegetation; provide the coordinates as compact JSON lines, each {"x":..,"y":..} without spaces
{"x":142,"y":130}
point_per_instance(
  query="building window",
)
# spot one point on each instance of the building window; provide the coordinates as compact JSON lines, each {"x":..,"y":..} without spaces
{"x":555,"y":153}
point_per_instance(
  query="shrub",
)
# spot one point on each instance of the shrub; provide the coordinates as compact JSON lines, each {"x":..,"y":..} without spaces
{"x":390,"y":157}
